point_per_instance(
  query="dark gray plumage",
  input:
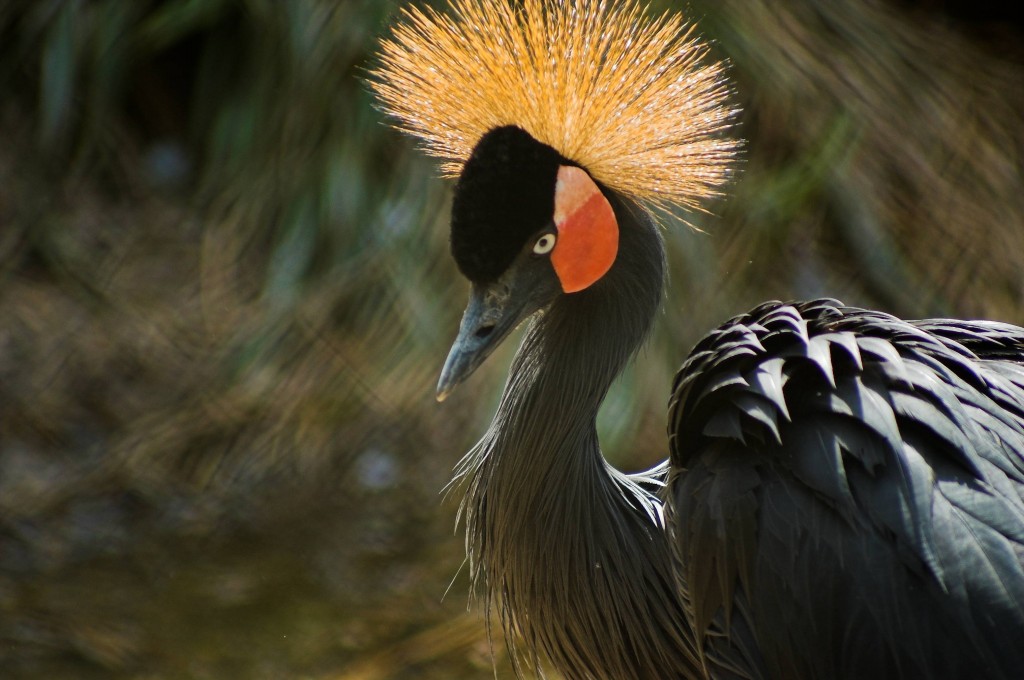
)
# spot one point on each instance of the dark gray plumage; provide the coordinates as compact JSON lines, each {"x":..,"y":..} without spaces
{"x":845,"y":496}
{"x":576,"y":550}
{"x":851,"y":486}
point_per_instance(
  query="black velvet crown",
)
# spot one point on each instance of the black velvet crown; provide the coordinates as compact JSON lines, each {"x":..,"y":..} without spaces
{"x":504,"y":196}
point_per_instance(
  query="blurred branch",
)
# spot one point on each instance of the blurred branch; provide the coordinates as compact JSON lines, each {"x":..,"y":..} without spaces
{"x":455,"y":636}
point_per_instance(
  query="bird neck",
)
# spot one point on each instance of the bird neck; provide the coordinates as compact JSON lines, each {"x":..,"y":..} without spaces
{"x":569,"y":357}
{"x":550,"y":525}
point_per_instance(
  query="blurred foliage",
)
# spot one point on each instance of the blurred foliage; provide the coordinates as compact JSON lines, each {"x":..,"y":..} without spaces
{"x":225,"y":297}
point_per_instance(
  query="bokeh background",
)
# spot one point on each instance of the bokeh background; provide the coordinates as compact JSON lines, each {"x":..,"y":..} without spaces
{"x":225,"y":296}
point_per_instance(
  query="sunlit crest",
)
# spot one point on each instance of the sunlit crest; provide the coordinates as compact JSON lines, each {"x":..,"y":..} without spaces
{"x":632,"y":98}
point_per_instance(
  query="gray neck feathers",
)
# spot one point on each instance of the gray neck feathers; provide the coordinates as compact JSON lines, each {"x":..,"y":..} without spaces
{"x":575,"y":549}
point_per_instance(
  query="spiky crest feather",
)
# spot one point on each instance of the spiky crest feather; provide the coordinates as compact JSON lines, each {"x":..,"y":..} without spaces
{"x":629,"y":97}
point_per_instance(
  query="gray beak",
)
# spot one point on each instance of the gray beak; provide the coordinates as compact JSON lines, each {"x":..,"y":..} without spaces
{"x":492,"y":313}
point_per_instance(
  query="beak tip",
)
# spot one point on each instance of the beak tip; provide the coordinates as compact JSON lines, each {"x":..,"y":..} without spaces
{"x":444,"y":386}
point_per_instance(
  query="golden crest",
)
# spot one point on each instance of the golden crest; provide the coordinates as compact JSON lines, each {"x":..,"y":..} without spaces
{"x":631,"y":98}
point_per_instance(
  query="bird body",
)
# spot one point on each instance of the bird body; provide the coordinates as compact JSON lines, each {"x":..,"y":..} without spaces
{"x":844,"y":496}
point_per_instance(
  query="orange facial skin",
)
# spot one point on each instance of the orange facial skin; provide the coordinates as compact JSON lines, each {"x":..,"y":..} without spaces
{"x":588,"y":233}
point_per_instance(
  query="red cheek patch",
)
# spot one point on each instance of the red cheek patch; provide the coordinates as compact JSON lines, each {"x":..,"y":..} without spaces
{"x":588,"y":234}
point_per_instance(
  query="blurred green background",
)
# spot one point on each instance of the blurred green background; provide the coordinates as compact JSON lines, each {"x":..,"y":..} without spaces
{"x":225,"y":297}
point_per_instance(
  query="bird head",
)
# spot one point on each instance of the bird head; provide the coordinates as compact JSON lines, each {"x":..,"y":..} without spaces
{"x":543,"y":109}
{"x":527,"y":226}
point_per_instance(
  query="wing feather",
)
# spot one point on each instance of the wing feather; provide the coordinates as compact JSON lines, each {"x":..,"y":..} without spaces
{"x":846,"y":494}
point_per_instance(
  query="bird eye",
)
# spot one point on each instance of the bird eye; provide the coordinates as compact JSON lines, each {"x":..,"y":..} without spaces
{"x":544,"y":244}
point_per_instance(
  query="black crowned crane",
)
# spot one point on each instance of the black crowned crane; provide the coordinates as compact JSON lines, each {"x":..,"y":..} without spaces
{"x":844,"y":495}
